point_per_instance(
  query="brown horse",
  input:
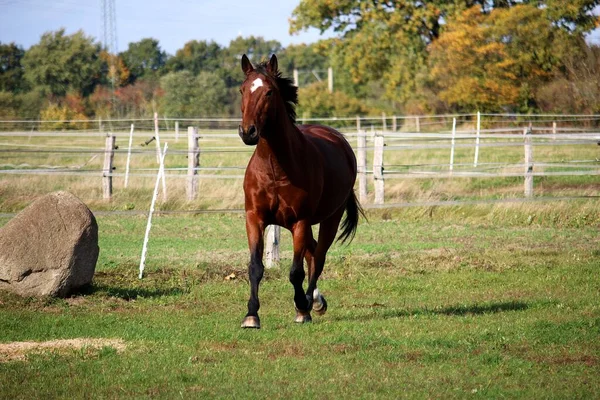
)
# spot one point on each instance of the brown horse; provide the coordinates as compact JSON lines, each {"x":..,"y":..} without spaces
{"x":298,"y":176}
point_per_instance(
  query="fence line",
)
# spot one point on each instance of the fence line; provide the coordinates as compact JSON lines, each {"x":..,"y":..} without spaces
{"x":382,"y":142}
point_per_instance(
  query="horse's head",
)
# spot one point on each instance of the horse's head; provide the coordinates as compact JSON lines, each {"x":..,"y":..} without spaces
{"x":260,"y":98}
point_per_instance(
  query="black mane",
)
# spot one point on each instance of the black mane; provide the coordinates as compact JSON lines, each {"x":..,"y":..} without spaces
{"x":289,"y":92}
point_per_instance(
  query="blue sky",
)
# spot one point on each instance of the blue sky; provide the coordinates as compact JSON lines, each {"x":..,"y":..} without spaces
{"x":172,"y":22}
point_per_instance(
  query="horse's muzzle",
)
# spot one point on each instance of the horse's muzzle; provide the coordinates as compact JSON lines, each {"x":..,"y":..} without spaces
{"x":249,"y":137}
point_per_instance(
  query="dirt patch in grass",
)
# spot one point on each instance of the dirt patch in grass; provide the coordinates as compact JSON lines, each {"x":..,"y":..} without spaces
{"x":19,"y":350}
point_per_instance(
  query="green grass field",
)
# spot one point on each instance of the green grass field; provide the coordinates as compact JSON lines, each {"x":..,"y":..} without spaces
{"x":453,"y":302}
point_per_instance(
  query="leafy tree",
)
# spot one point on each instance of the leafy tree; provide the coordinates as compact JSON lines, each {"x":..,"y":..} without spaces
{"x":577,"y":88}
{"x":305,"y":58}
{"x":11,"y":71}
{"x":388,"y":41}
{"x":116,"y":69}
{"x":496,"y":61}
{"x":61,"y":63}
{"x":197,"y":56}
{"x":144,"y":58}
{"x":474,"y":72}
{"x":186,"y":95}
{"x":255,"y":47}
{"x":315,"y":101}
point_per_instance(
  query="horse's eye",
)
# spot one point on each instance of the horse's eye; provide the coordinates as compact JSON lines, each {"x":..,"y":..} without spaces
{"x":269,"y":92}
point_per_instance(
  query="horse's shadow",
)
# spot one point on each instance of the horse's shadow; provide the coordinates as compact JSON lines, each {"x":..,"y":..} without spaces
{"x":380,"y":311}
{"x":129,"y":293}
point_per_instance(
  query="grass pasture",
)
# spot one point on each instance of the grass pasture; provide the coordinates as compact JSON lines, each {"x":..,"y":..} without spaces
{"x":485,"y":301}
{"x":455,"y":302}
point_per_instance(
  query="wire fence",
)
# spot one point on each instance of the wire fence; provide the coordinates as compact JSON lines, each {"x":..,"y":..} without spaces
{"x":423,"y":148}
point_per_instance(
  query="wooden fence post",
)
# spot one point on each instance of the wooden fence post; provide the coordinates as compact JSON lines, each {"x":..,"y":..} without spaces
{"x":273,"y":235}
{"x":361,"y":155}
{"x":554,"y":130}
{"x":394,"y":124}
{"x":378,"y":169}
{"x":418,"y":124}
{"x":528,"y":163}
{"x":357,"y":124}
{"x":109,"y":154}
{"x":384,"y":121}
{"x":193,"y":163}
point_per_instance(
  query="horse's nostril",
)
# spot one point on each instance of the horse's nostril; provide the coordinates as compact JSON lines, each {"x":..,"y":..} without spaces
{"x":252,"y":130}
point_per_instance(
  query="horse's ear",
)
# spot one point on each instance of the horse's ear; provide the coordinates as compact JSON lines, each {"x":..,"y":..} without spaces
{"x":272,"y":67}
{"x":246,"y":65}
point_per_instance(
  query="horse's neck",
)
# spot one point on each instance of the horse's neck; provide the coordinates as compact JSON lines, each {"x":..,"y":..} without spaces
{"x":285,"y":145}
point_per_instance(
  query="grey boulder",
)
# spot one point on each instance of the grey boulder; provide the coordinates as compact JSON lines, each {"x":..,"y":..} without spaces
{"x":50,"y":248}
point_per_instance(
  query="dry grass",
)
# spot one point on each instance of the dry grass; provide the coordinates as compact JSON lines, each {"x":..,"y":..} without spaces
{"x":18,"y":351}
{"x":16,"y":191}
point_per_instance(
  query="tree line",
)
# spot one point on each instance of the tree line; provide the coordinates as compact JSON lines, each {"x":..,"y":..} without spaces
{"x":398,"y":56}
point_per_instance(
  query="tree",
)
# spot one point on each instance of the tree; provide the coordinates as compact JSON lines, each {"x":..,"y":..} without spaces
{"x":61,"y":63}
{"x":497,"y":61}
{"x":144,"y":58}
{"x":186,"y":95}
{"x":116,"y":69}
{"x":315,"y":101}
{"x":388,"y":41}
{"x":255,"y":47}
{"x":473,"y":72}
{"x":11,"y":70}
{"x":197,"y":56}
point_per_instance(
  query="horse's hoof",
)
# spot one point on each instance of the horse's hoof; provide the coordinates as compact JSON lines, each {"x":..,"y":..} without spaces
{"x":251,"y":322}
{"x":302,"y":318}
{"x":320,"y":306}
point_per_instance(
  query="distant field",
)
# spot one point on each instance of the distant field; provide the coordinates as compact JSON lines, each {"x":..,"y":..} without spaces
{"x":442,"y":302}
{"x":74,"y":163}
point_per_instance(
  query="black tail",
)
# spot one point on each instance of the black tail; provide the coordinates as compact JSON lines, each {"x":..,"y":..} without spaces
{"x":350,"y":223}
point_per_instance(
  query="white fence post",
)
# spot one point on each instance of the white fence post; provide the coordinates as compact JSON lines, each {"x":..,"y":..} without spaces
{"x":453,"y":144}
{"x":384,"y":121}
{"x":528,"y":163}
{"x":358,"y":123}
{"x":476,"y":159}
{"x":418,"y":124}
{"x":128,"y":156}
{"x":272,"y":237}
{"x":361,"y":155}
{"x":176,"y":131}
{"x":394,"y":124}
{"x":378,"y":169}
{"x":159,"y":159}
{"x":109,"y":154}
{"x":193,"y":163}
{"x":152,"y":203}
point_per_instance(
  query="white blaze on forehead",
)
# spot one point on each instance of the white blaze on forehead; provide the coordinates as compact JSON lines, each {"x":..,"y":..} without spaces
{"x":256,"y":84}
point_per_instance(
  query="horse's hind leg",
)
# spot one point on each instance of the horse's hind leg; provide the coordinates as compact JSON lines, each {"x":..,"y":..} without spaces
{"x":255,"y":230}
{"x":327,"y":231}
{"x":302,"y":237}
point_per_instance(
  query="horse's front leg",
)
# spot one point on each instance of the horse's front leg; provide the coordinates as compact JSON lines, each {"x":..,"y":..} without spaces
{"x":303,"y":240}
{"x":254,"y":229}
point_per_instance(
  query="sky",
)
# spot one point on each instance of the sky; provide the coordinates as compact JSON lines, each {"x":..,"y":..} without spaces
{"x":171,"y":22}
